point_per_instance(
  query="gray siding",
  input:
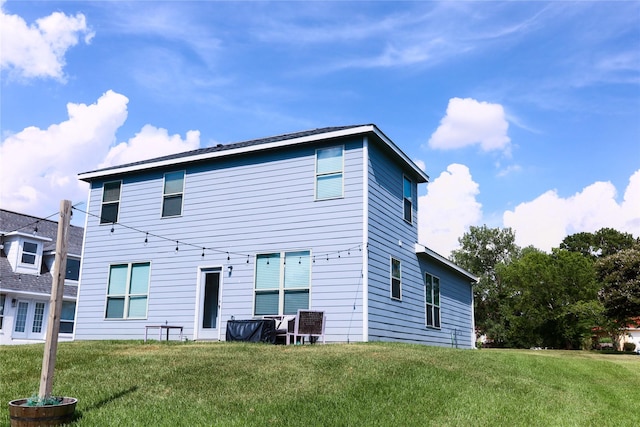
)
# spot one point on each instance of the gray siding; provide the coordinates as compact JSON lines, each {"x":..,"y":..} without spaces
{"x":243,"y":205}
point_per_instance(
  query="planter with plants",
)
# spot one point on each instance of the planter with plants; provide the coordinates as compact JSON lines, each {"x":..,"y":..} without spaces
{"x":45,"y":409}
{"x":34,"y":411}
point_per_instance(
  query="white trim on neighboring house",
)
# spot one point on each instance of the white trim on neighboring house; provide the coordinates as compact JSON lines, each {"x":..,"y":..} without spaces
{"x":84,"y":241}
{"x":365,"y":239}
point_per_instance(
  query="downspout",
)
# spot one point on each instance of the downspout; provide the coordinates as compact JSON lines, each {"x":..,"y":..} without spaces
{"x":365,"y":239}
{"x":473,"y":318}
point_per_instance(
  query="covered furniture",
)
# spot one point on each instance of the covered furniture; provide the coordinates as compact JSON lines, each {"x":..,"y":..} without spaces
{"x":307,"y":323}
{"x":252,"y":330}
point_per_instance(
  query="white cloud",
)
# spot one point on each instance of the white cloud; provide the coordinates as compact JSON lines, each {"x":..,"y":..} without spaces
{"x":448,"y":209}
{"x":38,"y":50}
{"x":39,"y":166}
{"x":469,"y":122}
{"x":546,"y":220}
{"x":150,"y":142}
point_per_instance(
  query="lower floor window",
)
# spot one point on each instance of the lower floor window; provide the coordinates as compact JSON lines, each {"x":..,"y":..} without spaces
{"x":128,"y":291}
{"x":282,"y":283}
{"x":432,"y":299}
{"x":67,"y":317}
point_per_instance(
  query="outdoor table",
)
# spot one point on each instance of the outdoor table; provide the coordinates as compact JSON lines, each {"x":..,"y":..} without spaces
{"x":161,"y":328}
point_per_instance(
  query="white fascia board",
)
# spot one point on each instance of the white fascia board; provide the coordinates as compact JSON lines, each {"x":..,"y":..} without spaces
{"x":400,"y":153}
{"x":224,"y":153}
{"x":88,"y":176}
{"x":421,"y":249}
{"x":30,"y":236}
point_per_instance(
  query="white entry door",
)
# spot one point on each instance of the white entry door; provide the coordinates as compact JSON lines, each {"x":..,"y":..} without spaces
{"x":29,"y":320}
{"x":209,"y":310}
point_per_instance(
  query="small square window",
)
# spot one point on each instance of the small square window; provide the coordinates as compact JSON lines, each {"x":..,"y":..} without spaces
{"x":29,"y":253}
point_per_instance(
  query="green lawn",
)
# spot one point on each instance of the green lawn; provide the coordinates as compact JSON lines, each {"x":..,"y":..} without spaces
{"x":128,"y":383}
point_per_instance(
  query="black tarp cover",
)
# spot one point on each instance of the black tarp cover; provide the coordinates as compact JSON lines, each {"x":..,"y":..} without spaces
{"x":255,"y":330}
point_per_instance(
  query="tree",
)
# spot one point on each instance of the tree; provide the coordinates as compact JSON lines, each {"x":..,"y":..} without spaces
{"x":619,"y":275}
{"x":482,"y":250}
{"x":552,"y":300}
{"x":602,"y":243}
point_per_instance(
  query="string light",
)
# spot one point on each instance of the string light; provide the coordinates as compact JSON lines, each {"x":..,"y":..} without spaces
{"x":177,"y":248}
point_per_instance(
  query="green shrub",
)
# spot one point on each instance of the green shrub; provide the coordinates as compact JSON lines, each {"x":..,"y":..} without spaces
{"x":629,"y":346}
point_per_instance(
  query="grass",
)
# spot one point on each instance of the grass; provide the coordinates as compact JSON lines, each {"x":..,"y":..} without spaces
{"x":128,"y":383}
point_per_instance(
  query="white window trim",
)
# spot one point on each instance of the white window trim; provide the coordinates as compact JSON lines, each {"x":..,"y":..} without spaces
{"x":38,"y":255}
{"x":127,"y":295}
{"x":391,"y":277}
{"x":316,"y":175}
{"x":404,"y":198}
{"x":281,"y":288}
{"x":432,"y":305}
{"x":164,"y":195}
{"x":102,"y":203}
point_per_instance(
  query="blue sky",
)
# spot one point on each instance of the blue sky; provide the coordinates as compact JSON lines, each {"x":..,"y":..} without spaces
{"x":524,"y":114}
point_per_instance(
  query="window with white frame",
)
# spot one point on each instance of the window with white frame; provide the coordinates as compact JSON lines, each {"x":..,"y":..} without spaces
{"x":73,"y":269}
{"x":3,"y":298}
{"x":329,"y":172}
{"x":432,"y":300}
{"x":67,"y":317}
{"x":38,"y":318}
{"x":407,"y":197}
{"x":396,"y":279}
{"x":128,"y":291}
{"x":172,"y":194}
{"x":29,"y":253}
{"x":282,"y":283}
{"x":110,"y":202}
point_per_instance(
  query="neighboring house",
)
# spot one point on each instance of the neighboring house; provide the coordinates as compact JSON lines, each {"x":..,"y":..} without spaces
{"x":324,"y":219}
{"x":631,"y":333}
{"x":27,"y":258}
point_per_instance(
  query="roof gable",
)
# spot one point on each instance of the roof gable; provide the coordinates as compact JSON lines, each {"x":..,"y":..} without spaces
{"x":252,"y":146}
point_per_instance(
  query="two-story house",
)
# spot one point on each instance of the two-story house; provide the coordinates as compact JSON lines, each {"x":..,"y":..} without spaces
{"x":324,"y":219}
{"x":27,"y":256}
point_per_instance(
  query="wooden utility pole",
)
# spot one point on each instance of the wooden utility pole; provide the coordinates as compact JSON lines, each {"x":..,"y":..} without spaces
{"x":55,"y":306}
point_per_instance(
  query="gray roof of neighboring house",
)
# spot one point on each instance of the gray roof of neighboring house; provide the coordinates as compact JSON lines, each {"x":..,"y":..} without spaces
{"x":29,"y":283}
{"x":245,"y":147}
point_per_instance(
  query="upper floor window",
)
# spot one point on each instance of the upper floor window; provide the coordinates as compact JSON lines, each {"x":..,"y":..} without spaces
{"x":282,"y":283}
{"x":29,"y":253}
{"x":329,"y":172}
{"x":172,"y":194}
{"x":407,"y":196}
{"x":73,"y":269}
{"x":128,"y":291}
{"x":432,"y":300}
{"x":396,"y":279}
{"x":110,"y":202}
